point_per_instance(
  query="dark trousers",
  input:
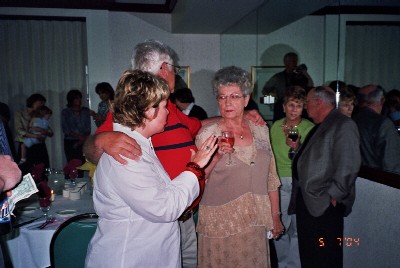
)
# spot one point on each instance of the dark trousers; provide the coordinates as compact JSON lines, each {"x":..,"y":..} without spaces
{"x":320,"y":238}
{"x":73,"y":150}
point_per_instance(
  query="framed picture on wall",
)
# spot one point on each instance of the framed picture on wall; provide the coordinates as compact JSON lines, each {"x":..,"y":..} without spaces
{"x":184,"y":73}
{"x":259,"y":76}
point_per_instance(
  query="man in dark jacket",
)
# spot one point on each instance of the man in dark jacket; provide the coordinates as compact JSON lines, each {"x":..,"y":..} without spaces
{"x":380,"y":143}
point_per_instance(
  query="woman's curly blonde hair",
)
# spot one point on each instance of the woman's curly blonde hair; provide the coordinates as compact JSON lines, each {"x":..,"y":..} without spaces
{"x":136,"y":92}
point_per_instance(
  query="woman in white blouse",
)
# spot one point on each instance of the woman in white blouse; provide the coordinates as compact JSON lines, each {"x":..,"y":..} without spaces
{"x":137,"y":203}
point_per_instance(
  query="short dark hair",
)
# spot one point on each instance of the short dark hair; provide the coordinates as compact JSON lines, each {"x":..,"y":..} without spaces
{"x":371,"y":97}
{"x":184,"y":95}
{"x":333,"y":85}
{"x":72,"y":95}
{"x":290,"y":55}
{"x":105,"y":87}
{"x":34,"y":98}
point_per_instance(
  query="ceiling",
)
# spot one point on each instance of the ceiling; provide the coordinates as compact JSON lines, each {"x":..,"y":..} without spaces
{"x":220,"y":16}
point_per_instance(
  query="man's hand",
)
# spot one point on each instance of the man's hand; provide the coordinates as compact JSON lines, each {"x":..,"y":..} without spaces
{"x":10,"y":174}
{"x":255,"y":117}
{"x":116,"y":144}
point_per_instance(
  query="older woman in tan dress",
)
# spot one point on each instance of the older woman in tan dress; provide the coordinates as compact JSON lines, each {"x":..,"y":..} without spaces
{"x":241,"y":201}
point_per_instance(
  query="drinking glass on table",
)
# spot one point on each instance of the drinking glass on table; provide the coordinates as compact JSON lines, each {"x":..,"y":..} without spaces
{"x":228,"y":137}
{"x":45,"y":204}
{"x":293,"y":134}
{"x":73,"y":175}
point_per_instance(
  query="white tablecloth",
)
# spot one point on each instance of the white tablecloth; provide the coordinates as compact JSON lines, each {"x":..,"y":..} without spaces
{"x":29,"y":246}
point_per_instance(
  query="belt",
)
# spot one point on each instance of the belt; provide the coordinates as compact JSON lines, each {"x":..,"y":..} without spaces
{"x":185,"y":215}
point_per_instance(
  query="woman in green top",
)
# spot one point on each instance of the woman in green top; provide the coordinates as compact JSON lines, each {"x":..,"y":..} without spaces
{"x":294,"y":101}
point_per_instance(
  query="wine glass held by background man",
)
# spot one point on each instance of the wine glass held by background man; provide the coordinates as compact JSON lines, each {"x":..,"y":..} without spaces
{"x":138,"y":204}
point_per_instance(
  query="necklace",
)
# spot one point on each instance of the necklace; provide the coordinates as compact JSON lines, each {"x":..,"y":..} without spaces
{"x":286,"y":126}
{"x":241,"y":133}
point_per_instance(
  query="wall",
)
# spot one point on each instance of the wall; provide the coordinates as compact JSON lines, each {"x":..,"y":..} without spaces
{"x":267,"y":50}
{"x":111,"y":37}
{"x":374,"y":223}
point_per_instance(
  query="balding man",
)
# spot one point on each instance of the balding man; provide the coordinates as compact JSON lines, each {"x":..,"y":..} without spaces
{"x":325,"y":169}
{"x":380,"y":143}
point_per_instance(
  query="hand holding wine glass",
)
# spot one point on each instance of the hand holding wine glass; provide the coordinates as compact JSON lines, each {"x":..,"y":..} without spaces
{"x":293,"y":135}
{"x":228,"y":137}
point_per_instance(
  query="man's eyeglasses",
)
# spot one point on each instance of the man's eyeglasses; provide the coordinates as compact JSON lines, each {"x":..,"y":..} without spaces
{"x":177,"y":68}
{"x":233,"y":97}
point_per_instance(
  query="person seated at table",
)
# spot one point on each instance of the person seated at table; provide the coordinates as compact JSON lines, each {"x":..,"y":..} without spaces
{"x":137,"y":203}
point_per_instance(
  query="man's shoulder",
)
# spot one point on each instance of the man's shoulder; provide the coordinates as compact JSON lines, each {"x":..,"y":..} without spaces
{"x":368,"y":119}
{"x":336,"y":121}
{"x":367,"y":114}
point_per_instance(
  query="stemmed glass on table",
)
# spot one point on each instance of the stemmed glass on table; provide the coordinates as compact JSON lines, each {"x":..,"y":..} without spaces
{"x":45,"y":204}
{"x":228,"y":137}
{"x":73,"y":175}
{"x":293,"y":134}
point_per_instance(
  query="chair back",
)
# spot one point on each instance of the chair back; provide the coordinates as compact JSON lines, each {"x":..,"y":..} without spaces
{"x":70,"y":241}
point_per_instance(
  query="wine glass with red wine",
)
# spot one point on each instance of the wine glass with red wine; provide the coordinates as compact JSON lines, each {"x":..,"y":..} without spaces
{"x":228,"y":136}
{"x":293,"y":134}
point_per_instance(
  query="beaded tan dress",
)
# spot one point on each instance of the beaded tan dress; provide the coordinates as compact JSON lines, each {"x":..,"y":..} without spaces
{"x":235,"y":211}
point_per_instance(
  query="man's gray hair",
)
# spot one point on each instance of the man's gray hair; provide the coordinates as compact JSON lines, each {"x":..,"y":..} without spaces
{"x":375,"y":95}
{"x":150,"y":55}
{"x":326,"y":94}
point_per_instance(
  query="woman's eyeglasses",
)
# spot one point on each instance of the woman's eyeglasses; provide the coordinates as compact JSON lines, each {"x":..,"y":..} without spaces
{"x":233,"y":97}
